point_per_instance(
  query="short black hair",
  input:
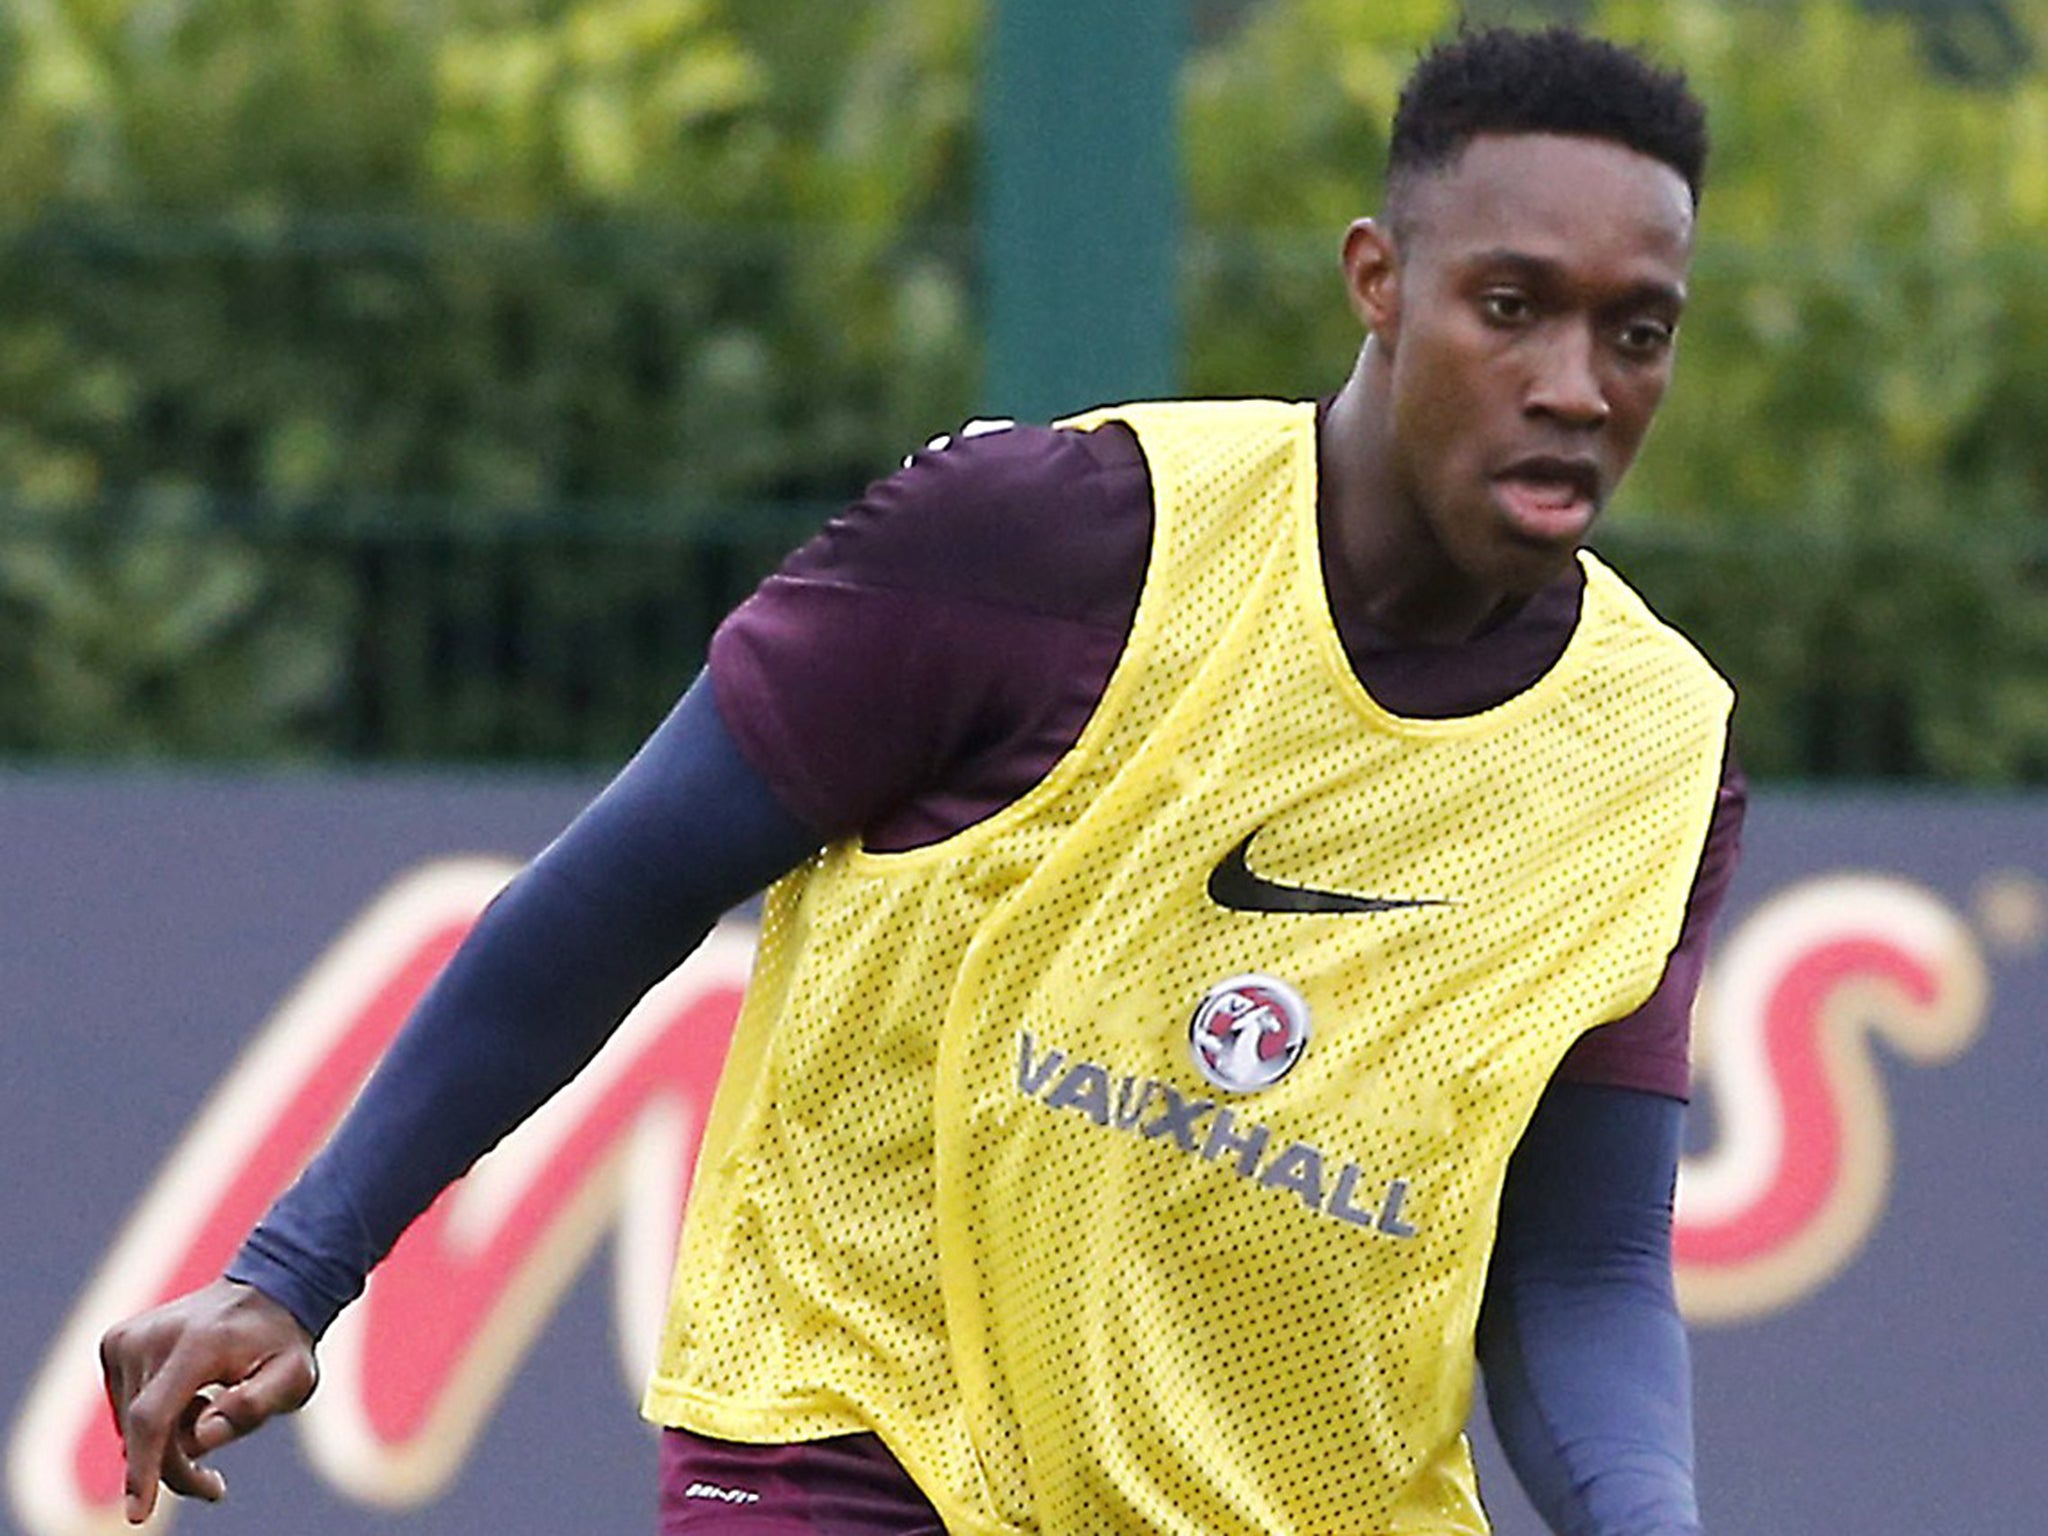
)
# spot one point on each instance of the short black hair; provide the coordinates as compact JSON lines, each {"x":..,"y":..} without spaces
{"x":1556,"y":80}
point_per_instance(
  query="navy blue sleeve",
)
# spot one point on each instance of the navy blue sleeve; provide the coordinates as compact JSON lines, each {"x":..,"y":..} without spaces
{"x":686,"y":831}
{"x":1588,"y":1375}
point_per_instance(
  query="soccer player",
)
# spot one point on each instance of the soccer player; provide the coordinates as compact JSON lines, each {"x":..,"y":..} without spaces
{"x":1242,"y":872}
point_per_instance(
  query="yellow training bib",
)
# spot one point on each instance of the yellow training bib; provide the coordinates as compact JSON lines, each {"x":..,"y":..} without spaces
{"x":1129,"y":1161}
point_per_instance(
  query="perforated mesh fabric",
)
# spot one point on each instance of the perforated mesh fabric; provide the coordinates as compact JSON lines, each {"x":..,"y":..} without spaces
{"x":968,"y":1183}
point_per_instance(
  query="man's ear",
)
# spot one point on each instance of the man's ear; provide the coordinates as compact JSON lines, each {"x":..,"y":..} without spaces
{"x":1372,"y":277}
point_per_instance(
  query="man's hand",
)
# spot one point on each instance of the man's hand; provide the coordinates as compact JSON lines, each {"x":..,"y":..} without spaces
{"x":195,"y":1374}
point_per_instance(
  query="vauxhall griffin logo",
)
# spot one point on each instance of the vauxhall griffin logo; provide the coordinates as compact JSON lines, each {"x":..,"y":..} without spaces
{"x":1248,"y":1033}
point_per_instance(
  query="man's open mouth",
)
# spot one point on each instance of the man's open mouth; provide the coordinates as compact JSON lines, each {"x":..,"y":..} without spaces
{"x":1549,"y":498}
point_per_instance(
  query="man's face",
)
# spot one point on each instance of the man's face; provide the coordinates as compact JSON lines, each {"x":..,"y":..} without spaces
{"x":1528,"y":331}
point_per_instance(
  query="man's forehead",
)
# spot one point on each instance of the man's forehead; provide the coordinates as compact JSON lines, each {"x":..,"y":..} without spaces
{"x":1558,"y":190}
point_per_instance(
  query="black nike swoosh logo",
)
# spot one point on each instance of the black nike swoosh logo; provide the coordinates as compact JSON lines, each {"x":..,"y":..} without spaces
{"x":1233,"y":885}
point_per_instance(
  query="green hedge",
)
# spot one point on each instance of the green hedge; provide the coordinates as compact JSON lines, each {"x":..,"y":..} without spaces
{"x":292,"y":291}
{"x":385,"y":380}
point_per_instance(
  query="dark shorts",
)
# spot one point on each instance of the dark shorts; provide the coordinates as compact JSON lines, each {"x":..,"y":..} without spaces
{"x":845,"y":1486}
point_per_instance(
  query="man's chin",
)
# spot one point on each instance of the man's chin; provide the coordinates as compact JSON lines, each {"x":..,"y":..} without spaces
{"x":1520,"y":570}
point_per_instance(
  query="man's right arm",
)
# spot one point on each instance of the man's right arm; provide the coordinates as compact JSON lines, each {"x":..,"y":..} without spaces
{"x":687,"y":830}
{"x":871,"y":686}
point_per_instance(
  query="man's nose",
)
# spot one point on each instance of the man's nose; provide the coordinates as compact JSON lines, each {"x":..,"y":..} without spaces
{"x":1567,"y":386}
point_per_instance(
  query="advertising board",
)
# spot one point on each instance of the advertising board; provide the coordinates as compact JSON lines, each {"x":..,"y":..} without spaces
{"x":201,"y":970}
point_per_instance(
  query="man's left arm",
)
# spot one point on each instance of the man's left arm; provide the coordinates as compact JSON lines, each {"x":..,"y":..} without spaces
{"x":1588,"y":1375}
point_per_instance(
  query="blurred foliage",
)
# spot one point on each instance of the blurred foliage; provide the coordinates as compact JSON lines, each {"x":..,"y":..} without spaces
{"x":269,"y":267}
{"x":1846,"y":500}
{"x":382,"y":378}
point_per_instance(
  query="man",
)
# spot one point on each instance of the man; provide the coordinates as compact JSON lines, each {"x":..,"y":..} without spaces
{"x":1265,"y":871}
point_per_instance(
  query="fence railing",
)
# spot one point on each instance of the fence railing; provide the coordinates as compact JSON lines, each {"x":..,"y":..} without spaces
{"x":384,"y":491}
{"x":422,"y":633}
{"x":360,"y":633}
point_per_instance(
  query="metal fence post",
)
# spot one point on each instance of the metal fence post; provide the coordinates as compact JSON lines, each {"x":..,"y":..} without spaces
{"x":1081,"y":203}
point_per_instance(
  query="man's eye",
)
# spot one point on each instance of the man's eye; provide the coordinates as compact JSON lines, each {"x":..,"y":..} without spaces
{"x":1647,"y":338}
{"x":1505,"y":307}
